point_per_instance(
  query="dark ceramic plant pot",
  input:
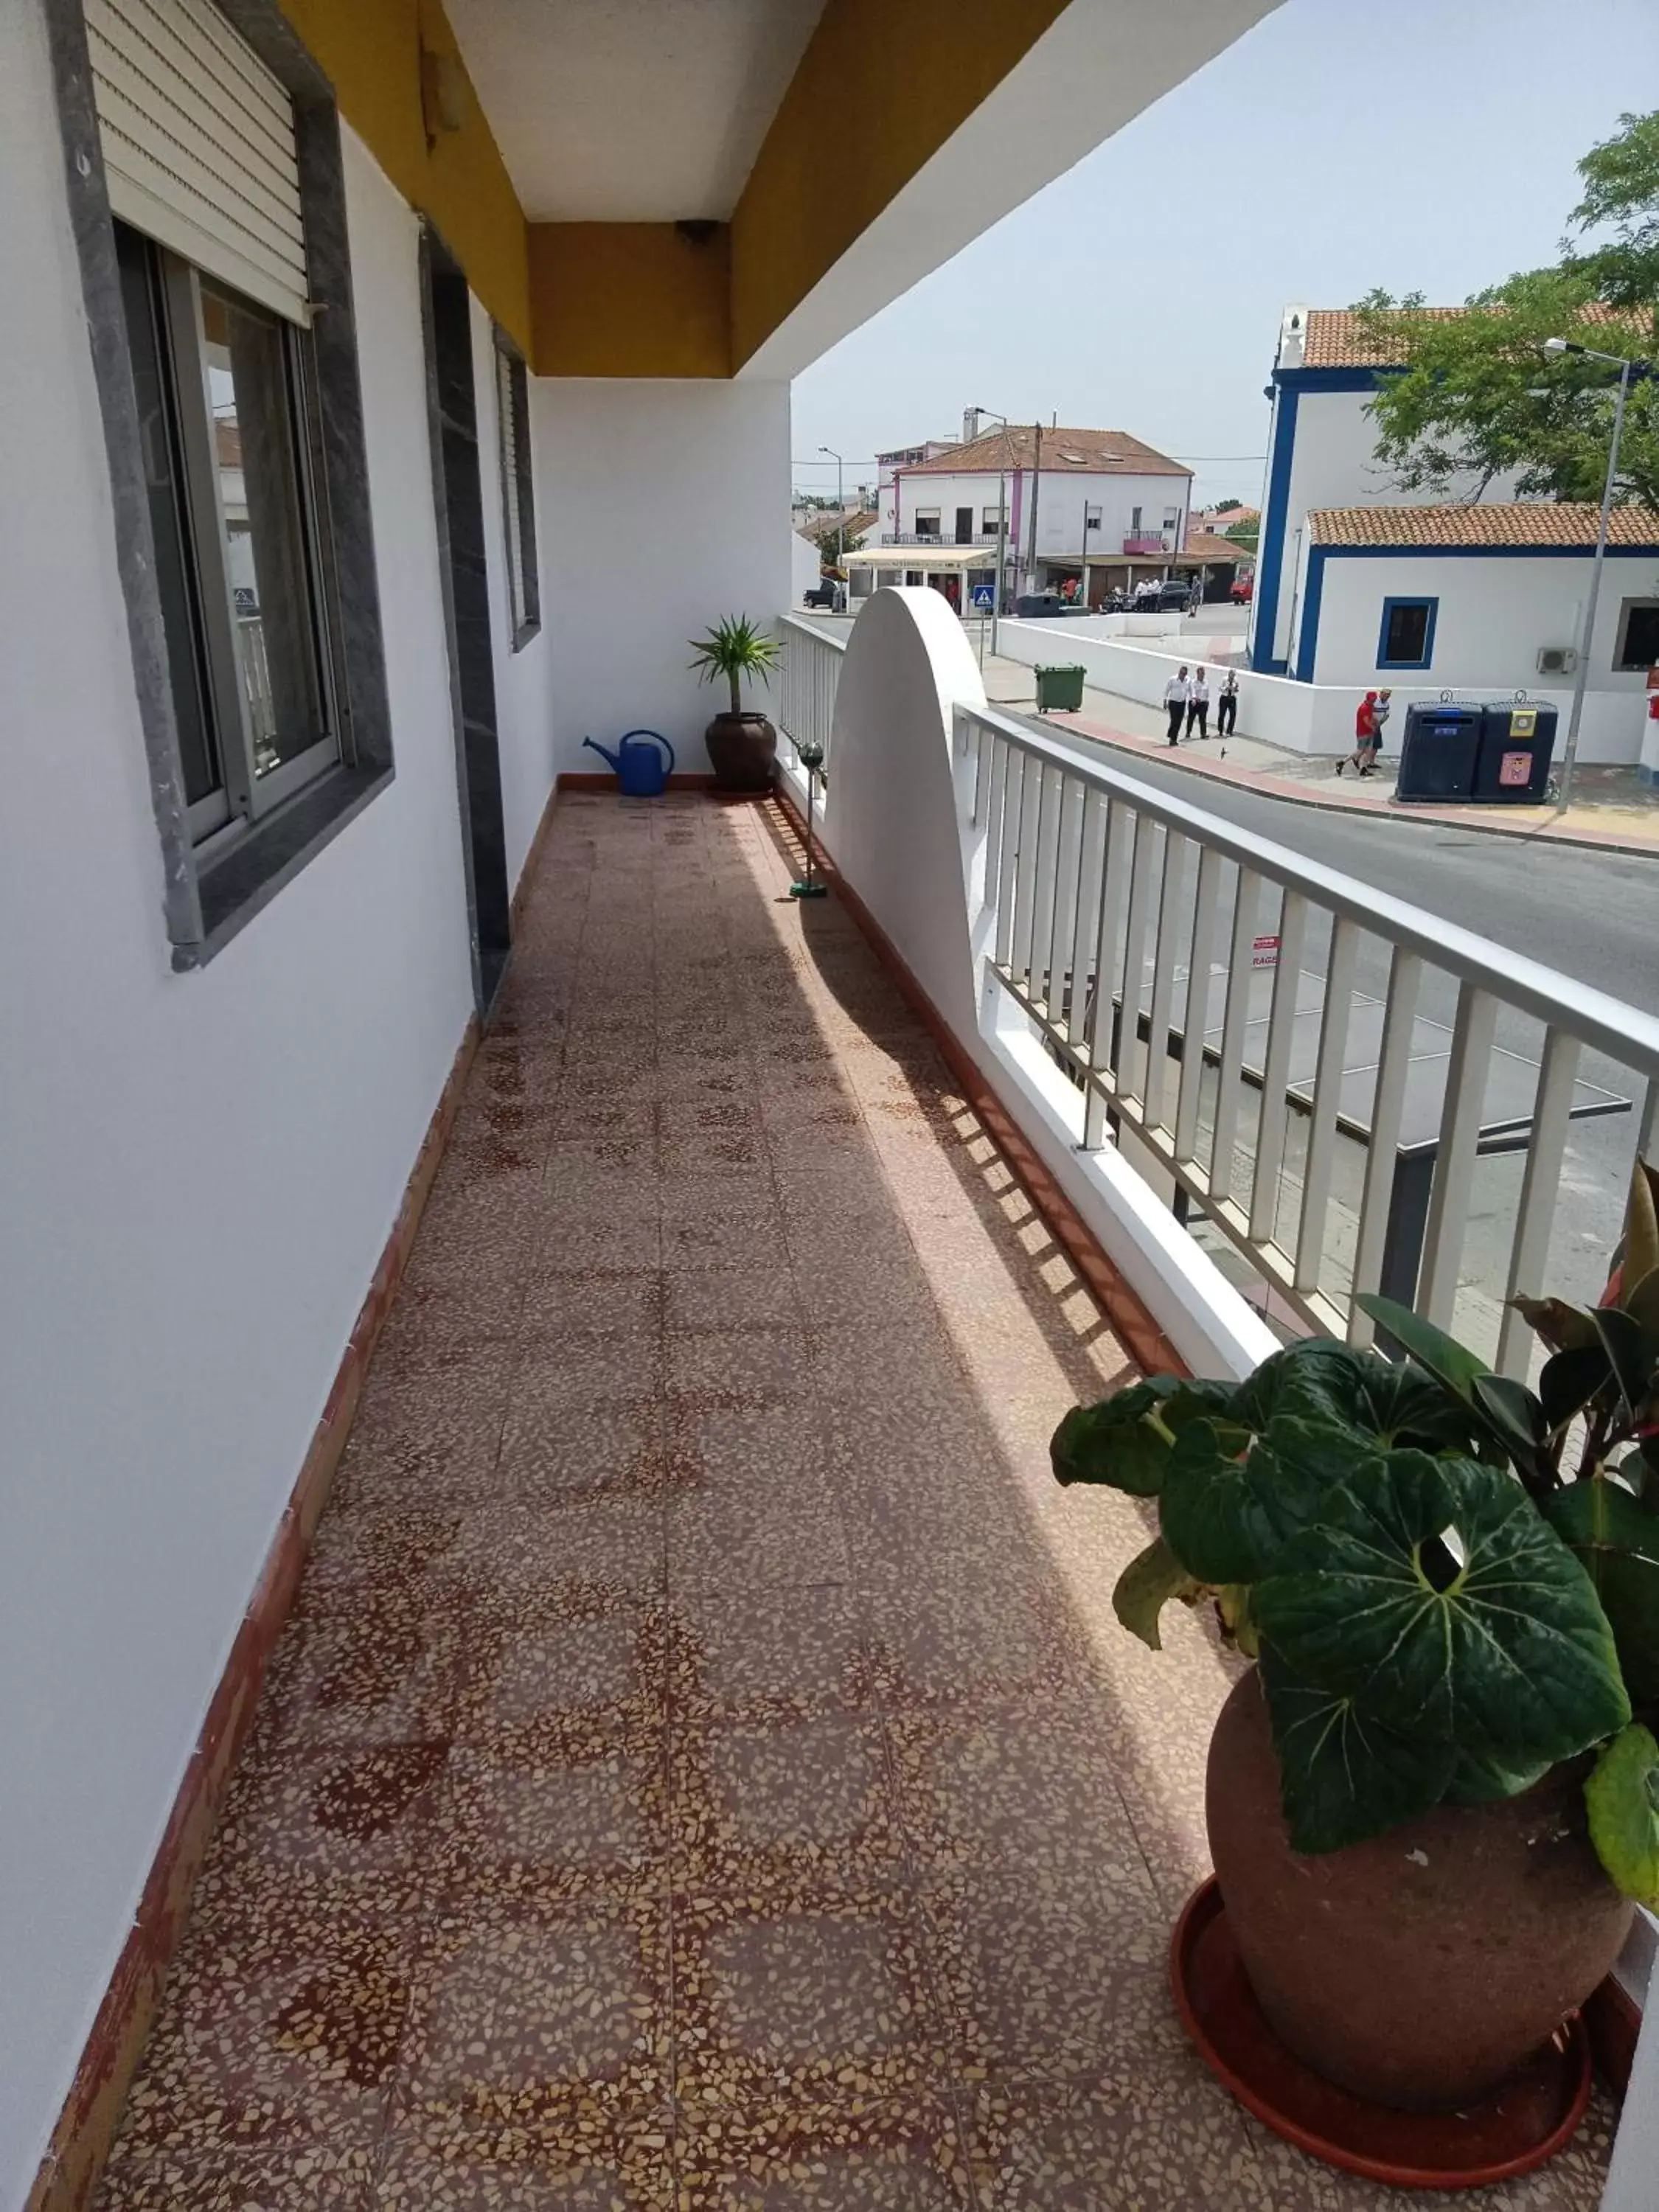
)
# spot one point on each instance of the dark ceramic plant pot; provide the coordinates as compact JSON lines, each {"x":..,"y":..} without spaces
{"x":1420,"y":1969}
{"x":742,"y":751}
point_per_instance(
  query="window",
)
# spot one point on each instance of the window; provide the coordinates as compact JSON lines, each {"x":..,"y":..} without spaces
{"x":517,"y":494}
{"x":1638,"y":635}
{"x":1091,"y":516}
{"x":1407,"y":637}
{"x":222,"y":390}
{"x":216,"y":287}
{"x":991,"y":519}
{"x":1172,"y":518}
{"x":927,"y":522}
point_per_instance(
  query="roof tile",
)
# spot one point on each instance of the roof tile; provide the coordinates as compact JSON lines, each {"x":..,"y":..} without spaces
{"x":1095,"y":453}
{"x":1542,"y":523}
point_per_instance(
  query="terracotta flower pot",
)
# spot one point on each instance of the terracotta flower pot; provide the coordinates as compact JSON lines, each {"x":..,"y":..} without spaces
{"x":1420,"y":1969}
{"x":743,"y":750}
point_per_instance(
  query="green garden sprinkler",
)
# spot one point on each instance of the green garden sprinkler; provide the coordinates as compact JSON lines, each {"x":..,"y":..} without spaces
{"x":811,"y":756}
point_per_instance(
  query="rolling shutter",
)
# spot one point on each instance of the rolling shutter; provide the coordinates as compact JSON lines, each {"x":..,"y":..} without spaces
{"x":198,"y":145}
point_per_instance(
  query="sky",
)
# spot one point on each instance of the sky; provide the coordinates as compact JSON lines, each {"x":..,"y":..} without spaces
{"x":1422,"y":145}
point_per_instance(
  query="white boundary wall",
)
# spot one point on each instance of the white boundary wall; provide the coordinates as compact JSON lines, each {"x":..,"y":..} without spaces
{"x":1315,"y":719}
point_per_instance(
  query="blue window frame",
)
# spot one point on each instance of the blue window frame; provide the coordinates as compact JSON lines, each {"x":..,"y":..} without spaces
{"x":1407,"y":637}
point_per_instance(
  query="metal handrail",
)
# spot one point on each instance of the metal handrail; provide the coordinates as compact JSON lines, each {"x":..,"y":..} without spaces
{"x":811,"y":670}
{"x":1083,"y":888}
{"x":1605,"y":1024}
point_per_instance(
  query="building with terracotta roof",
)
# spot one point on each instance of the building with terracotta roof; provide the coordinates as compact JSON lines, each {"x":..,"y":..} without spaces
{"x":1483,"y":598}
{"x":1091,"y":508}
{"x":1321,"y":453}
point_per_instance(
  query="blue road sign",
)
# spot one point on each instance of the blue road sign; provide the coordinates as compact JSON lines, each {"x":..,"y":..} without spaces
{"x":981,"y":596}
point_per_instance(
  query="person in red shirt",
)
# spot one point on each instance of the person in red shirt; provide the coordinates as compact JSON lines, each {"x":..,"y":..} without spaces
{"x":1366,"y":737}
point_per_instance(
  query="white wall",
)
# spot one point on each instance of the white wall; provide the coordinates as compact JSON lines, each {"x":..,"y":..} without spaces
{"x":1493,"y":615}
{"x":1061,"y":505}
{"x":1333,"y":463}
{"x":199,"y":1171}
{"x":524,"y":679}
{"x":664,"y":505}
{"x":805,"y":567}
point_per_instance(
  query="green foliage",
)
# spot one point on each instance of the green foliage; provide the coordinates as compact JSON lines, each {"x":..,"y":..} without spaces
{"x":1442,"y":1609}
{"x":1622,"y":1796}
{"x":1477,"y":397}
{"x":736,"y":648}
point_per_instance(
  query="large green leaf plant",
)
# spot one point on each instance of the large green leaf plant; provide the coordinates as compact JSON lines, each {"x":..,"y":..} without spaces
{"x":1451,"y":1582}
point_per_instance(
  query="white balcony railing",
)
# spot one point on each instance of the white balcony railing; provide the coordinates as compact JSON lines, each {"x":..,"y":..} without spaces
{"x":812,"y":669}
{"x":1257,"y":1034}
{"x":937,"y":538}
{"x":1201,"y":984}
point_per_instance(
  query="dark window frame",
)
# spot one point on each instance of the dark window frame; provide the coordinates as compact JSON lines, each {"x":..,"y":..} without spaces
{"x":1621,"y":659}
{"x":210,"y":892}
{"x":523,"y":584}
{"x":1431,"y":610}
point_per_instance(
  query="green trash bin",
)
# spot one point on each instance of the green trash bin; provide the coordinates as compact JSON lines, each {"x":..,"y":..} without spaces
{"x":1060,"y":688}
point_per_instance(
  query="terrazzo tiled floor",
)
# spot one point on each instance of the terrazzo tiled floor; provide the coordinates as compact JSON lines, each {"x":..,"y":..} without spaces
{"x":702,"y":1769}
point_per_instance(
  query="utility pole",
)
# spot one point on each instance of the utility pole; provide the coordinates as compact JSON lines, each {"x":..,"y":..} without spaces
{"x":1626,"y":368}
{"x":841,"y":509}
{"x":1037,"y":480}
{"x":1002,"y":521}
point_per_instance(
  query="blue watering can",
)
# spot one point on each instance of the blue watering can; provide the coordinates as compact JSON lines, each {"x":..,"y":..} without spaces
{"x":641,"y":771}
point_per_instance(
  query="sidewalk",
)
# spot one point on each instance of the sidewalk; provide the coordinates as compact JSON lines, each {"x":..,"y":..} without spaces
{"x":1611,"y":808}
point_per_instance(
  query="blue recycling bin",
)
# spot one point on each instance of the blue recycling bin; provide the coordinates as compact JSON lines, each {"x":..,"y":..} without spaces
{"x":1439,"y":752}
{"x":1516,"y":744}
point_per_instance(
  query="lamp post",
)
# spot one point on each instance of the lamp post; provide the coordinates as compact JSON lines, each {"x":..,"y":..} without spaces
{"x":1627,"y":369}
{"x":1002,"y":521}
{"x":810,"y":753}
{"x":841,"y":509}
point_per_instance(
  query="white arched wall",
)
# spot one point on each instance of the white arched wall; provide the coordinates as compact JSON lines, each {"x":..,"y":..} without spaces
{"x":898,"y":826}
{"x":891,"y":818}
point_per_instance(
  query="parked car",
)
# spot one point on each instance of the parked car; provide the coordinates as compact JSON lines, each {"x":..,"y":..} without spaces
{"x":1146,"y":595}
{"x":1242,"y":591}
{"x":1157,"y":596}
{"x":1038,"y":606}
{"x":828,"y":596}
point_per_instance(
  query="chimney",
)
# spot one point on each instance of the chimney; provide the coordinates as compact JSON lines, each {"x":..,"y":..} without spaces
{"x":969,"y":425}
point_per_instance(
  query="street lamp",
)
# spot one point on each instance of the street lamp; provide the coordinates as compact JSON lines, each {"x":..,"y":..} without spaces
{"x":841,"y":509}
{"x":1002,"y":519}
{"x":1627,"y":370}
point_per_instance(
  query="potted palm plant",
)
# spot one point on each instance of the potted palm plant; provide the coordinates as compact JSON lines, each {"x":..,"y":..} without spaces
{"x":743,"y":745}
{"x":1434,"y":1796}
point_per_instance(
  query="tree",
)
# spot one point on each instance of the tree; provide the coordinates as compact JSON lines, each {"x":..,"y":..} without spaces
{"x":1244,"y":533}
{"x":1476,"y":396}
{"x":1226,"y":505}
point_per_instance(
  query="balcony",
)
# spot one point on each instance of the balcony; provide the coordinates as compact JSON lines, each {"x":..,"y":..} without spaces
{"x":936,"y":538}
{"x":701,"y":1754}
{"x":1145,"y":542}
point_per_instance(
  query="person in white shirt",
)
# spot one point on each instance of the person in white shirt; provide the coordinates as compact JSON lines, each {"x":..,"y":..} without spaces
{"x":1175,"y":699}
{"x":1197,"y":704}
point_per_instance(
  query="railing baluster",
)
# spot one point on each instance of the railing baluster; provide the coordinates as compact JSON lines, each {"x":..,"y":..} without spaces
{"x":1043,"y":890}
{"x":1013,"y":800}
{"x":1453,"y":1168}
{"x":1102,"y":1013}
{"x":1538,"y":1185}
{"x":1388,"y":1107}
{"x":1032,"y":785}
{"x":1144,"y":876}
{"x":1063,"y":921}
{"x":1092,"y":846}
{"x":1276,"y":1070}
{"x":1195,"y":1017}
{"x":984,"y":744}
{"x":1327,"y":1099}
{"x":1247,"y":900}
{"x":996,"y":782}
{"x":1167,"y":945}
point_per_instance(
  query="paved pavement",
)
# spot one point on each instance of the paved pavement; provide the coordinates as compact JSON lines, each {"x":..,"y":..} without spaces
{"x":1610,"y":809}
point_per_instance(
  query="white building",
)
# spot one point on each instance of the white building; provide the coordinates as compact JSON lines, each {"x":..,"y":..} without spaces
{"x":888,"y":465}
{"x":1321,"y":453}
{"x":1483,"y":598}
{"x":1104,"y":505}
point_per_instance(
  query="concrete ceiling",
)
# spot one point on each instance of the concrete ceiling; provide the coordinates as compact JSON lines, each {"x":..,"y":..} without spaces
{"x":630,"y":111}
